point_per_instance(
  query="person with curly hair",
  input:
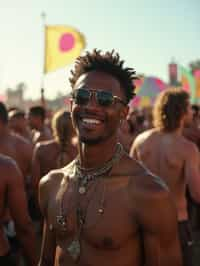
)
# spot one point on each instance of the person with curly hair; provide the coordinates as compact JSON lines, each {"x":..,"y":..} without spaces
{"x":105,"y":208}
{"x":167,"y":153}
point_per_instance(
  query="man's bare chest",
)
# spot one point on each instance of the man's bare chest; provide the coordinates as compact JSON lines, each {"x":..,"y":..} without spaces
{"x":103,"y":216}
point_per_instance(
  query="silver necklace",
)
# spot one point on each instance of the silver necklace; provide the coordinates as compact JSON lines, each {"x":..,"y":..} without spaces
{"x":86,"y":175}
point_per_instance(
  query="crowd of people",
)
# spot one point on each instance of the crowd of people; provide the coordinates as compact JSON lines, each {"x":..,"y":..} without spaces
{"x":103,"y":184}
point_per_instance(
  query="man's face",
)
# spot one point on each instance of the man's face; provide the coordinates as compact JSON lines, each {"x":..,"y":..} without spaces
{"x":18,"y":123}
{"x":32,"y":121}
{"x":93,"y":122}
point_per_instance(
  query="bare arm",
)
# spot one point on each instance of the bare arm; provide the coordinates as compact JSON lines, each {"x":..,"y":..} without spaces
{"x":160,"y":231}
{"x":192,"y":171}
{"x":17,"y":204}
{"x":48,"y":249}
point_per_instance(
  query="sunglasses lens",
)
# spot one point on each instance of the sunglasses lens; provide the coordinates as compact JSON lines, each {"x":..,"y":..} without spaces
{"x":81,"y":96}
{"x":104,"y":98}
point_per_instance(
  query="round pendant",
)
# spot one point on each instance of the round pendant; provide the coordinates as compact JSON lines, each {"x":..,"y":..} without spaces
{"x":100,"y":210}
{"x":81,"y":190}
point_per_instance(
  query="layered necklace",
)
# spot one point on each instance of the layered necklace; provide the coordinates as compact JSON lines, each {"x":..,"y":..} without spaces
{"x":86,"y":175}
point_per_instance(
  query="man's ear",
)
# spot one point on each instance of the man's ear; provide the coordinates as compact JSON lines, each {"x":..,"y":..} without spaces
{"x":124,"y":112}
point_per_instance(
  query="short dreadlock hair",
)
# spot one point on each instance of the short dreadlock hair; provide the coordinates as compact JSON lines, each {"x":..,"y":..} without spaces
{"x":108,"y":62}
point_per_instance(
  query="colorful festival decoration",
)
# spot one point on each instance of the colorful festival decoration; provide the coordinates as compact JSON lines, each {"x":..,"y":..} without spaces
{"x":63,"y":44}
{"x":188,"y":82}
{"x":3,"y":98}
{"x":147,"y":89}
{"x":197,"y":81}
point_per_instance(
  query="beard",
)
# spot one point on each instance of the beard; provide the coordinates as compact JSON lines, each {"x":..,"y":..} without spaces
{"x":90,"y":141}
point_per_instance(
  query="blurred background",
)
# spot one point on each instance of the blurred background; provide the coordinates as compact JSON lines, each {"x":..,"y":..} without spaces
{"x":153,"y":36}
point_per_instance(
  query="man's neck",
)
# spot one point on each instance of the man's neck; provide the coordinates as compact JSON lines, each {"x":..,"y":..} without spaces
{"x":179,"y":131}
{"x":92,"y":156}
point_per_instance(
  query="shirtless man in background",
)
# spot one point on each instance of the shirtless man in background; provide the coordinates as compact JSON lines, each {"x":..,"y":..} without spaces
{"x":105,"y":208}
{"x":55,"y":153}
{"x":13,"y":197}
{"x":18,"y":123}
{"x":20,"y":150}
{"x":167,"y":153}
{"x":14,"y":145}
{"x":36,"y":119}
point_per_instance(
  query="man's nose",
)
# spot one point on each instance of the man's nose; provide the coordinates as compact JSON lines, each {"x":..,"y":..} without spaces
{"x":92,"y":100}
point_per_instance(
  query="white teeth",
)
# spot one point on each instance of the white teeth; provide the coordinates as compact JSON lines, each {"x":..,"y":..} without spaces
{"x":91,"y":121}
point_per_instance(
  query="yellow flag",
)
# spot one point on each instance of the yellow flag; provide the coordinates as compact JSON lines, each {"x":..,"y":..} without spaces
{"x":63,"y":45}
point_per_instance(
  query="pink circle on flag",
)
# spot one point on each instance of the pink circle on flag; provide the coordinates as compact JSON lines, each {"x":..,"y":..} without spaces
{"x":197,"y":73}
{"x":67,"y":42}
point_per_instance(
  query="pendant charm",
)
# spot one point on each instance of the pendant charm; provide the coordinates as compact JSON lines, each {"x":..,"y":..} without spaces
{"x":100,"y":211}
{"x":60,"y":219}
{"x":82,"y":190}
{"x":74,"y":249}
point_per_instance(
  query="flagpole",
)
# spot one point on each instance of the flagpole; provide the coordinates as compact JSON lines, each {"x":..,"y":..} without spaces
{"x":43,"y":16}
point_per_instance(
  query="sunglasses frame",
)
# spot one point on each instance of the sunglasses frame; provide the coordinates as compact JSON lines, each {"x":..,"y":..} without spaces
{"x":95,"y":93}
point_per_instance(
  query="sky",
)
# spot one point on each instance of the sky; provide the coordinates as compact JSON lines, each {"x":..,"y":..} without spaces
{"x":146,"y":33}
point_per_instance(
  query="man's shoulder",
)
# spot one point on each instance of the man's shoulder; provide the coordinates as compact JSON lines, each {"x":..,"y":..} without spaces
{"x":8,"y":168}
{"x":6,"y":161}
{"x":19,"y":139}
{"x":58,"y":176}
{"x":53,"y":182}
{"x":21,"y":144}
{"x":146,"y":135}
{"x":45,"y":145}
{"x":189,"y":147}
{"x":145,"y":185}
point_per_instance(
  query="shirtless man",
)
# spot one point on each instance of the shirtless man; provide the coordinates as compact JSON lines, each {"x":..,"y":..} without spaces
{"x":12,"y":196}
{"x":14,"y":145}
{"x":20,"y":150}
{"x":55,"y":153}
{"x":36,"y":118}
{"x":104,"y":208}
{"x":18,"y":123}
{"x":167,"y":153}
